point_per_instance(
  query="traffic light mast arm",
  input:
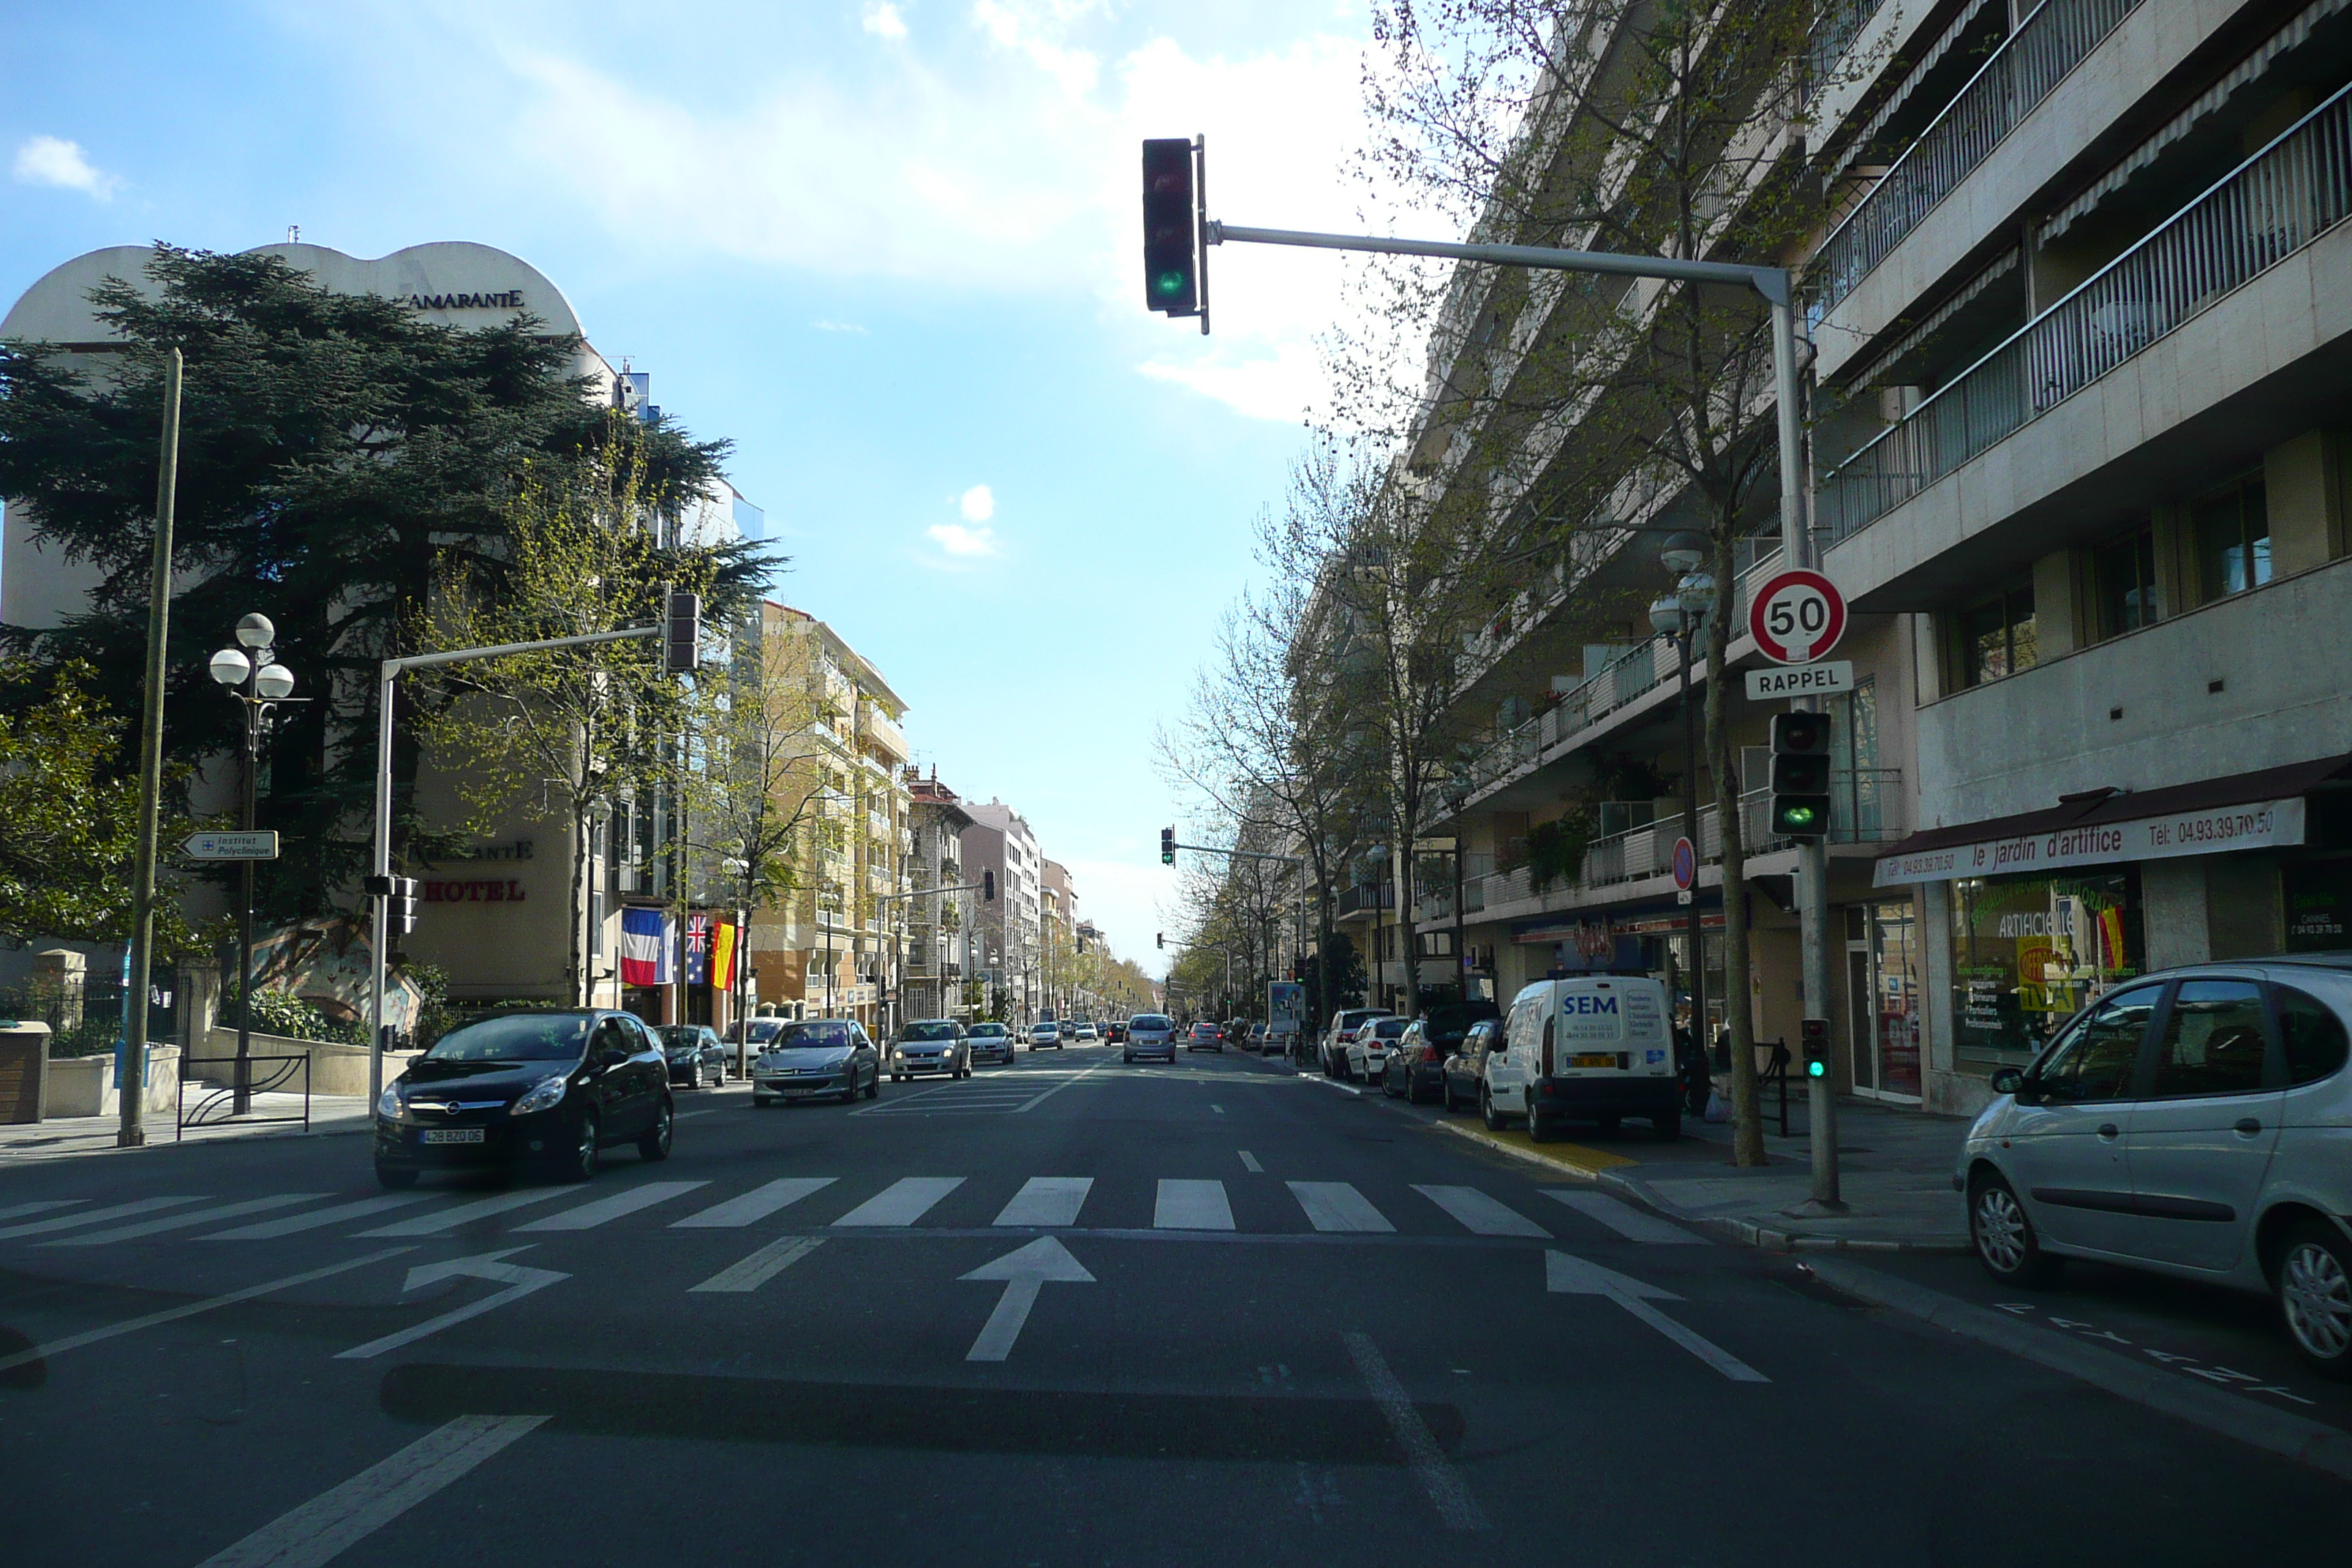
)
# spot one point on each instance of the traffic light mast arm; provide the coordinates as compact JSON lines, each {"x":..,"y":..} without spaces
{"x":1241,"y":854}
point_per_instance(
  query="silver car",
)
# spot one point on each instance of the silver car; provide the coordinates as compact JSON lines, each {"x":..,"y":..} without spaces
{"x":930,"y":1045}
{"x":2196,"y":1123}
{"x":1151,"y":1035}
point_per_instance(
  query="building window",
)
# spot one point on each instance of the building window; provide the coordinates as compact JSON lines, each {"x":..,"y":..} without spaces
{"x":2028,"y":951}
{"x":2234,"y":541}
{"x":1997,"y":636}
{"x":2123,"y":573}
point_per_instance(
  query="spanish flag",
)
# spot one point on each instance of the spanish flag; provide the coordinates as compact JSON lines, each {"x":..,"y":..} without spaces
{"x":722,"y":955}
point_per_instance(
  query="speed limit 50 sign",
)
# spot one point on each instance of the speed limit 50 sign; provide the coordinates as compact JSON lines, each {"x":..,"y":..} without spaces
{"x":1796,"y":617}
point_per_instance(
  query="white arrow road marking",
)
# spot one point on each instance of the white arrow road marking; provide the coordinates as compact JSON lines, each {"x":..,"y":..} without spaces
{"x":521,"y":1282}
{"x":339,"y":1518}
{"x":1025,"y":1271}
{"x":1565,"y":1274}
{"x":760,"y":1267}
{"x":1438,"y":1478}
{"x":75,"y":1341}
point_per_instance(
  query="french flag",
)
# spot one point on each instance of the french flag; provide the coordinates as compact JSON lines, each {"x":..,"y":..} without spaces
{"x":647,"y":940}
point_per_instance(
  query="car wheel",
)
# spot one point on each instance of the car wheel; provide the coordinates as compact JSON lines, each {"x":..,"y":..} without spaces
{"x":2315,"y":1294}
{"x":2003,"y":1234}
{"x":395,"y":1176}
{"x":582,"y":1164}
{"x":762,"y":1101}
{"x":1493,"y":1118}
{"x":874,"y":1085}
{"x":1667,"y":1125}
{"x":1539,"y":1124}
{"x":655,"y":1145}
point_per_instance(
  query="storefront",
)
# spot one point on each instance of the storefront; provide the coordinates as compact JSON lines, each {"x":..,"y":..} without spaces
{"x":1883,"y":986}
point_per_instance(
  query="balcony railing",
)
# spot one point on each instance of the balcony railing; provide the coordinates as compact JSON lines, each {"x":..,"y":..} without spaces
{"x":1366,"y":896}
{"x":2029,"y":65}
{"x":1834,"y":33}
{"x":2269,"y":207}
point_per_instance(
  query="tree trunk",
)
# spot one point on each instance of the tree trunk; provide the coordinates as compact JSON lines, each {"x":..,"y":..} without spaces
{"x":578,"y":894}
{"x":1746,"y":1105}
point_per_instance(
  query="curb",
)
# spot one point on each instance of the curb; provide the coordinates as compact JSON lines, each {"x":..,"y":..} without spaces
{"x":2314,"y":1442}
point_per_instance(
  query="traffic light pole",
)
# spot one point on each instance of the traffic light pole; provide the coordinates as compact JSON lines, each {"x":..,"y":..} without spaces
{"x":1299,"y":897}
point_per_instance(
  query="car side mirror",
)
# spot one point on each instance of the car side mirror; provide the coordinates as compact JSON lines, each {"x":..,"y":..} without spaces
{"x":2007,"y":1080}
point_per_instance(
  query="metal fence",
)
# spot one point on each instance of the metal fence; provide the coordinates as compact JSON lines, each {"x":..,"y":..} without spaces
{"x":218,"y":1103}
{"x":2014,"y":80}
{"x":85,"y":1015}
{"x":1832,"y":34}
{"x":2272,"y":205}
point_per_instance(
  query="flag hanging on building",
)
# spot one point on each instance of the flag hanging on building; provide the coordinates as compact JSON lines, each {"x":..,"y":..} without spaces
{"x":647,"y":937}
{"x":722,"y":954}
{"x":697,"y":950}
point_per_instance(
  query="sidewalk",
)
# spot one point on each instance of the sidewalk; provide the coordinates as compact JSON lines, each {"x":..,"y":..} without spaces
{"x":61,"y":1138}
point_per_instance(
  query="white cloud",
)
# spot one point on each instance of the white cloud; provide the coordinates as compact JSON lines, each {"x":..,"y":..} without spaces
{"x":978,"y":504}
{"x":965,"y":544}
{"x":884,"y":22}
{"x":839,"y":327}
{"x":52,"y":161}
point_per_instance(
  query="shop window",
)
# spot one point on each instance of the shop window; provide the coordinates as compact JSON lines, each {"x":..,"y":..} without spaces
{"x":2028,"y":951}
{"x":2123,"y":575}
{"x":1997,"y":636}
{"x":2232,"y":530}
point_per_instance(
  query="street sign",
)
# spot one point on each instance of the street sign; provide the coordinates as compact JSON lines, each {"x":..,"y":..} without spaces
{"x":261,"y":845}
{"x":1685,"y":864}
{"x":1823,"y":680}
{"x":1798,"y":615}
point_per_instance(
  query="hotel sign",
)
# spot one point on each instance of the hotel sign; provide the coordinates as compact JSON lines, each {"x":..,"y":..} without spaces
{"x":2258,"y":826}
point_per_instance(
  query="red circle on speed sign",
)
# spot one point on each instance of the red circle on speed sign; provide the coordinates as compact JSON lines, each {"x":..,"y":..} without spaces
{"x":1797,"y":618}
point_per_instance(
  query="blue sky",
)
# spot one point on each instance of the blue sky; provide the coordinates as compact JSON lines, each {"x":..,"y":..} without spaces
{"x":889,"y":249}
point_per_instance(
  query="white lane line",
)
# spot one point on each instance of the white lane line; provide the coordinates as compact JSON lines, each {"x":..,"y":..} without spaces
{"x":1218,"y":1109}
{"x":1332,"y":1082}
{"x":338,"y":1519}
{"x":1074,"y":1078}
{"x":1048,"y":1200}
{"x":754,"y":1205}
{"x":46,"y":1205}
{"x":173,"y":1315}
{"x":94,"y":1216}
{"x":1567,"y":1274}
{"x":588,"y":1217}
{"x":1626,"y":1220}
{"x":757,"y":1269}
{"x":1482,"y":1214}
{"x":1249,"y":1164}
{"x":1437,"y":1474}
{"x":317,"y":1218}
{"x":1192,"y":1206}
{"x":448,"y":1219}
{"x":903,"y":1202}
{"x":192,"y":1217}
{"x":1336,"y":1205}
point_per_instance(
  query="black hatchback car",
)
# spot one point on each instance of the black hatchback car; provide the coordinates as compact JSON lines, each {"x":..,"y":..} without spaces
{"x":697,"y":1056}
{"x":554,"y":1089}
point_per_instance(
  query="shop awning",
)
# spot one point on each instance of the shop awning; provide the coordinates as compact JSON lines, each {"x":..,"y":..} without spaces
{"x":2257,"y":810}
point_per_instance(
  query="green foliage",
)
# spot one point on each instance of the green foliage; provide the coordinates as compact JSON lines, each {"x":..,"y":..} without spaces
{"x":282,"y":1012}
{"x":1555,"y":849}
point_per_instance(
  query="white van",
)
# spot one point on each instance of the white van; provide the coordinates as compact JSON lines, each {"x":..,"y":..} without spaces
{"x":1590,"y":1048}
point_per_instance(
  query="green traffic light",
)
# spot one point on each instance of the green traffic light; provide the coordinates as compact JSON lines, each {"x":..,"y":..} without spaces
{"x":1817,"y":1070}
{"x":1169,"y":283}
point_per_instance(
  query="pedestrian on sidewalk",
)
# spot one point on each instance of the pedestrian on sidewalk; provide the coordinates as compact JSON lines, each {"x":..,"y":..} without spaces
{"x":1691,"y":1063}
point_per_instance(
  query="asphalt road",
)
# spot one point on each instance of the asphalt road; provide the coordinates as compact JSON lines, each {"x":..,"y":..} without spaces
{"x":1066,"y":1311}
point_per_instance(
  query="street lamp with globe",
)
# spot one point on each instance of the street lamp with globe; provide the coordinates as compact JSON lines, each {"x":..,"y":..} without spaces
{"x":253,"y":675}
{"x":1682,"y":616}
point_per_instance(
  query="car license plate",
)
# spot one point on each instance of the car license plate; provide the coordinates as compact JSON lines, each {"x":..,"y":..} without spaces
{"x":451,"y":1135}
{"x":1592,"y":1060}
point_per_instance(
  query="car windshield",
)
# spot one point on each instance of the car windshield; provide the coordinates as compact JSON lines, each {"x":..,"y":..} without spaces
{"x":988,"y":1031}
{"x":929,"y":1029}
{"x":817,"y":1034}
{"x":679,"y":1036}
{"x":762,"y":1030}
{"x":1148,"y":1021}
{"x":516,"y":1038}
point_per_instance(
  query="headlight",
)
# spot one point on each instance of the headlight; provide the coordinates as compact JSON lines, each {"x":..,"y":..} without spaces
{"x":541,"y":1096}
{"x":388,"y":1105}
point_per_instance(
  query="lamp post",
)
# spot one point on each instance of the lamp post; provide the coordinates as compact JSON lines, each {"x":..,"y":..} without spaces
{"x":1679,"y":616}
{"x":255,"y":679}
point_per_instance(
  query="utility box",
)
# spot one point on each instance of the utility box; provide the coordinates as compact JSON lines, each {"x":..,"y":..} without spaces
{"x":24,"y":1071}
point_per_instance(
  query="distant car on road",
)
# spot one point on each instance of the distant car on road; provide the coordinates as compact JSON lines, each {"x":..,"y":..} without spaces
{"x":1205,"y":1036}
{"x":1344,"y":1024}
{"x":811,"y":1057}
{"x":697,"y":1055}
{"x":1087,"y":1031}
{"x":990,"y":1042}
{"x":1046,"y":1036}
{"x":1113,"y":1031}
{"x":1416,"y":1067}
{"x":930,"y":1045}
{"x":1151,"y":1035}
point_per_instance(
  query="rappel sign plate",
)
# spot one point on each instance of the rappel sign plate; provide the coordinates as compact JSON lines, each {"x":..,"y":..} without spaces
{"x":1796,"y":617}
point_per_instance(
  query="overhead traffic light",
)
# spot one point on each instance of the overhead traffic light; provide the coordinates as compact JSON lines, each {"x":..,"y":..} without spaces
{"x":1800,"y":775}
{"x":681,"y":632}
{"x":1160,"y":939}
{"x":1174,"y":267}
{"x":1167,"y":847}
{"x":1814,"y":1034}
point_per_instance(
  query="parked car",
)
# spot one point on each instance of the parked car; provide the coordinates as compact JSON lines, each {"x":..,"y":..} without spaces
{"x":1416,"y":1067}
{"x":990,"y":1042}
{"x":930,"y":1045}
{"x":1591,"y":1048}
{"x":1344,"y":1024}
{"x":697,"y":1055}
{"x":1086,"y":1031}
{"x":1369,"y":1047}
{"x":2191,"y":1124}
{"x":1465,"y":1070}
{"x":555,"y":1087}
{"x":1205,"y":1036}
{"x":1046,"y":1036}
{"x":1151,"y":1035}
{"x":1450,"y":1022}
{"x":1256,"y":1039}
{"x":811,"y":1057}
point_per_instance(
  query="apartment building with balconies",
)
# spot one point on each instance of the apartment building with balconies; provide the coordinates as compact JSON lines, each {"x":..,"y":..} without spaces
{"x":1009,"y":940}
{"x":941,"y":977}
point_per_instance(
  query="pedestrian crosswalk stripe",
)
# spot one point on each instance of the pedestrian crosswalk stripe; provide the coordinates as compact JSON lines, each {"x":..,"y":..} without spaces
{"x":95,"y":1216}
{"x":1249,"y":1164}
{"x":1048,"y":1200}
{"x":1482,"y":1214}
{"x":49,"y":1206}
{"x":904,"y":1201}
{"x":1337,"y":1205}
{"x":184,"y":1221}
{"x":1625,"y":1219}
{"x":1192,"y":1206}
{"x":754,"y":1205}
{"x":444,"y":1220}
{"x":588,"y":1217}
{"x":317,"y":1219}
{"x":761,"y":1266}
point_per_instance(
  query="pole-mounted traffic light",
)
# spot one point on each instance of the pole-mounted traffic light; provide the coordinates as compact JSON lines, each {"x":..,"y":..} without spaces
{"x":988,"y":887}
{"x":400,"y":895}
{"x":1800,"y":775}
{"x":1160,"y":939}
{"x":1814,"y":1034}
{"x":1167,"y":847}
{"x":681,"y":632}
{"x":1175,"y":260}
